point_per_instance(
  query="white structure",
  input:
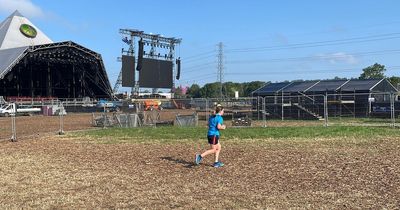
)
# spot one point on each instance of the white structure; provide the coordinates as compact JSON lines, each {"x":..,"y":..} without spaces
{"x":18,"y":31}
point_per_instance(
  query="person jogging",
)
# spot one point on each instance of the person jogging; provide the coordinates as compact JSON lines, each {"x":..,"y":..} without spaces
{"x":215,"y":124}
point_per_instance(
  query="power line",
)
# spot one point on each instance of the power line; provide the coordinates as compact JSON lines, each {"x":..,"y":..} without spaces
{"x":200,"y":77}
{"x":365,"y":26}
{"x":320,"y":71}
{"x":363,"y":39}
{"x":302,"y":71}
{"x":319,"y":44}
{"x":317,"y":57}
{"x":199,"y":58}
{"x":367,"y":53}
{"x":198,"y":55}
{"x":199,"y":67}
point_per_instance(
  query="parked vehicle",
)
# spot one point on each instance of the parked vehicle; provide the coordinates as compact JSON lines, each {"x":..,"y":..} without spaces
{"x":8,"y":109}
{"x":152,"y":104}
{"x":113,"y":106}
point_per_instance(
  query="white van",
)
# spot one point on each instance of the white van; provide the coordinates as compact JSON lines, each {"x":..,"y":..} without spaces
{"x":8,"y":109}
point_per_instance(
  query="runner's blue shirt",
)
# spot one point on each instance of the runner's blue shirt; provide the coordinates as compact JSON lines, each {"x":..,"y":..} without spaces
{"x":213,"y":123}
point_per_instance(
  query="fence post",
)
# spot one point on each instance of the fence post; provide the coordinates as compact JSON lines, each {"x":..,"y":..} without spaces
{"x":206,"y":110}
{"x":392,"y":111}
{"x":326,"y":109}
{"x":104,"y":116}
{"x":282,"y":107}
{"x":258,"y":107}
{"x":61,"y":113}
{"x":13,"y":125}
{"x":264,"y":111}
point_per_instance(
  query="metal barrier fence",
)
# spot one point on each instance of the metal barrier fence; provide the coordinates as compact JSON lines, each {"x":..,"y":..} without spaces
{"x":363,"y":109}
{"x":357,"y":109}
{"x":50,"y":120}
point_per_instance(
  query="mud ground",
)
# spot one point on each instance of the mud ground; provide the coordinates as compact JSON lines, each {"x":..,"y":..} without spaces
{"x":73,"y":172}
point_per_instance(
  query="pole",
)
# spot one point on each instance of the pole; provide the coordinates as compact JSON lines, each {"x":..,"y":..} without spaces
{"x":264,"y":111}
{"x":282,"y":107}
{"x":104,"y":115}
{"x":220,"y":66}
{"x":61,"y":113}
{"x":206,"y":110}
{"x":258,"y":108}
{"x":392,"y":112}
{"x":13,"y":125}
{"x":326,"y":109}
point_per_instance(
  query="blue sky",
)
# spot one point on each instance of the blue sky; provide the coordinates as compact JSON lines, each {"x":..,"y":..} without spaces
{"x":263,"y":40}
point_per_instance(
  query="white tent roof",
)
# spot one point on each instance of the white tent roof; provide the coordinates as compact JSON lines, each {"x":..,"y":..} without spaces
{"x":12,"y":37}
{"x":10,"y":57}
{"x":14,"y":44}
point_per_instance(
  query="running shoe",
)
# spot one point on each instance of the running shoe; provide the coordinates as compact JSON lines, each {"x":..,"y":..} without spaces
{"x":218,"y":164}
{"x":198,"y":159}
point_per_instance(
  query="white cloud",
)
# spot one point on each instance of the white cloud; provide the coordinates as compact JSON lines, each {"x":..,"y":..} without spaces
{"x":26,"y":7}
{"x":339,"y":57}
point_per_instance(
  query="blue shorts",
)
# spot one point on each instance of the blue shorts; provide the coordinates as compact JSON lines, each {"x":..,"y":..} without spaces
{"x":213,"y":139}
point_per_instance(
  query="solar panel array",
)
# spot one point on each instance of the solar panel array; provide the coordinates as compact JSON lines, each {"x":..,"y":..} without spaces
{"x":272,"y":87}
{"x":299,"y":86}
{"x":322,"y":86}
{"x":359,"y":85}
{"x":327,"y":85}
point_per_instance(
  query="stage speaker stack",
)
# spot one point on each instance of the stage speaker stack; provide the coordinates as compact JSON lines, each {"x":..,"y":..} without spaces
{"x":140,"y":55}
{"x":178,"y":65}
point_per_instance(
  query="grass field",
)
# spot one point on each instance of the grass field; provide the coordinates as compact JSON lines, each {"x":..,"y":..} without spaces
{"x":179,"y":134}
{"x":152,"y":168}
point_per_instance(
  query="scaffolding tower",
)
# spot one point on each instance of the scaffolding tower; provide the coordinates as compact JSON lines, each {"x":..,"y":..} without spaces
{"x":155,"y":41}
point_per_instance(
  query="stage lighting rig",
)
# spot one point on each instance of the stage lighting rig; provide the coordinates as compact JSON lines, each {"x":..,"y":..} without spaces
{"x":158,"y":47}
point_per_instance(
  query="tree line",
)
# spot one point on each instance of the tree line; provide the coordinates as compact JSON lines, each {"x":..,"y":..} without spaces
{"x":212,"y":90}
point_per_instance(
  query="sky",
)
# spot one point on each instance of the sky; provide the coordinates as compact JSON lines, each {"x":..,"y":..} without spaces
{"x":263,"y":40}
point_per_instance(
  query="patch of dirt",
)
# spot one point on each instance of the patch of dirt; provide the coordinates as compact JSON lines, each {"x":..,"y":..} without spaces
{"x":28,"y":126}
{"x":59,"y":172}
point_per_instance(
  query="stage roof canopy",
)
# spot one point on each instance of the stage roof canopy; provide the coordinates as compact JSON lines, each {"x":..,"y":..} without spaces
{"x":27,"y":55}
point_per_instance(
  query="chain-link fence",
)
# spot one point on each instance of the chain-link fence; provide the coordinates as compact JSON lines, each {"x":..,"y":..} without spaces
{"x":34,"y":122}
{"x":361,"y":109}
{"x":357,"y":109}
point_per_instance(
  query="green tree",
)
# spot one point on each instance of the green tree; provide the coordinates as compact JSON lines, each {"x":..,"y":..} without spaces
{"x":178,"y":93}
{"x":339,"y":78}
{"x":229,"y":89}
{"x":210,"y":90}
{"x":194,"y":91}
{"x":376,"y":71}
{"x":249,"y":87}
{"x":395,"y":81}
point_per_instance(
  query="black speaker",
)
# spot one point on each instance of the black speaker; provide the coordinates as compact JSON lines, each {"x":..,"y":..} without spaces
{"x":178,"y":66}
{"x":140,"y":55}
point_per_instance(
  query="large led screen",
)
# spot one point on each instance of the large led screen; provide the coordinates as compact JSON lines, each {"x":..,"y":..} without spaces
{"x":155,"y":74}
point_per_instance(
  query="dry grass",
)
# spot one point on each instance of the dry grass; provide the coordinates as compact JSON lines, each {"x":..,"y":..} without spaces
{"x":65,"y":172}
